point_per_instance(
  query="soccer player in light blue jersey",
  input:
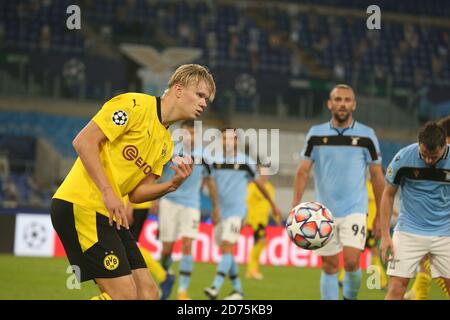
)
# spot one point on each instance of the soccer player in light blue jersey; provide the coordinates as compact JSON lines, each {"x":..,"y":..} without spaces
{"x":179,"y":212}
{"x":232,"y":174}
{"x":340,"y":151}
{"x":422,"y":171}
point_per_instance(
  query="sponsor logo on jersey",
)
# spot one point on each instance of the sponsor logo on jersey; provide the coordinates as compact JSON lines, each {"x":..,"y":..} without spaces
{"x":131,"y":153}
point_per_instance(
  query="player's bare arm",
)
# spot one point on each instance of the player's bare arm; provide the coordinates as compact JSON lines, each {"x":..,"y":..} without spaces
{"x":275,"y":210}
{"x":301,"y":179}
{"x":148,"y":190}
{"x":387,"y":204}
{"x":377,"y":179}
{"x":211,"y":185}
{"x":87,"y":145}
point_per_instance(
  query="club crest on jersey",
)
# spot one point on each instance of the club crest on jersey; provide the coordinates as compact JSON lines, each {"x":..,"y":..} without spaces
{"x":389,"y":171}
{"x":120,"y":118}
{"x":355,"y":141}
{"x":325,"y":140}
{"x":111,"y":262}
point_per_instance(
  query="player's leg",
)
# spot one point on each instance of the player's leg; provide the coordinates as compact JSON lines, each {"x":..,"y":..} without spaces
{"x":352,"y":279}
{"x":376,"y":261}
{"x":447,"y":285}
{"x":95,"y":247}
{"x":190,"y":221}
{"x":396,"y":288}
{"x":139,"y":217}
{"x":146,"y":287}
{"x":166,"y":254}
{"x":157,"y":271}
{"x":371,"y":244}
{"x":440,"y":260}
{"x":186,"y":268}
{"x":223,"y":268}
{"x":169,"y":224}
{"x":443,"y":285}
{"x":259,"y":236}
{"x":409,"y":250}
{"x":232,"y":236}
{"x":353,"y":239}
{"x":422,"y":283}
{"x":329,"y":285}
{"x":226,"y":234}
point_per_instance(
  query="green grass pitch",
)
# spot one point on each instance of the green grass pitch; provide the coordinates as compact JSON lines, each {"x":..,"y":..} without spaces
{"x":45,"y":278}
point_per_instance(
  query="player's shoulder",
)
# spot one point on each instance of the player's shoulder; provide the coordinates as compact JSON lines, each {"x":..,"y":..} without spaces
{"x":131,"y":101}
{"x":407,"y":153}
{"x":363,"y":129}
{"x":320,"y":129}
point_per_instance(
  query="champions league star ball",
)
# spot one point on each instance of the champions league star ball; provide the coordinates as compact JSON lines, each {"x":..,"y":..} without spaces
{"x":310,"y":225}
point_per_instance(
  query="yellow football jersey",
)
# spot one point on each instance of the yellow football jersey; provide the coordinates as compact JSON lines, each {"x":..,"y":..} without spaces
{"x":137,"y":145}
{"x":143,"y":205}
{"x":371,"y":205}
{"x":258,"y":207}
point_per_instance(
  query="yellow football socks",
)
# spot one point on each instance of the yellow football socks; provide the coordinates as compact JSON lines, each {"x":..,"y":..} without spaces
{"x":103,"y":296}
{"x":375,"y":261}
{"x":255,"y":253}
{"x":422,"y":286}
{"x":154,"y":266}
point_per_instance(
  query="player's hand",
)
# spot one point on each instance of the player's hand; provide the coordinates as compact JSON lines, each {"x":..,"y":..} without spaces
{"x":154,"y":208}
{"x":183,"y":170}
{"x":386,"y":244}
{"x":215,"y":216}
{"x":115,"y":209}
{"x":129,"y":213}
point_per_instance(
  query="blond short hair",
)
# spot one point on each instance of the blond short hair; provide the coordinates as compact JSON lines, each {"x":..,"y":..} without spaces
{"x":193,"y":73}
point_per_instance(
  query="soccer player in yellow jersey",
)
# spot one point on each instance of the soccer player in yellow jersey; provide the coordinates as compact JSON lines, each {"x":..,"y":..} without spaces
{"x":122,"y":151}
{"x":258,"y":210}
{"x":422,"y":284}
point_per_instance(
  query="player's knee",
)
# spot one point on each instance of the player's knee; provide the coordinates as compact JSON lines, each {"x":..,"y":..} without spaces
{"x":124,"y":294}
{"x":186,"y":246}
{"x":330,"y":267}
{"x":226,"y":247}
{"x":397,"y":289}
{"x":166,"y":249}
{"x":351,"y":265}
{"x":148,"y":294}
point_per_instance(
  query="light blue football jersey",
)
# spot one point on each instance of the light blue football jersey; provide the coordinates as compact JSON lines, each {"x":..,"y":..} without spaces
{"x":424,"y":192}
{"x":232,"y":180}
{"x":341,"y":157}
{"x":189,"y":193}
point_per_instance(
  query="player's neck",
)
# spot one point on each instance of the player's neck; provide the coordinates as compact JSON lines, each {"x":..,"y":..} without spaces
{"x":169,"y":113}
{"x":346,"y":124}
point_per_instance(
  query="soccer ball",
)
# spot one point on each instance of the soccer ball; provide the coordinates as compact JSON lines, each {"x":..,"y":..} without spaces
{"x":310,"y":225}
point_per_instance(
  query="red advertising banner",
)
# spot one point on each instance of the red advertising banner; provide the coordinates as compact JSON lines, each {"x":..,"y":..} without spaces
{"x":279,"y":250}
